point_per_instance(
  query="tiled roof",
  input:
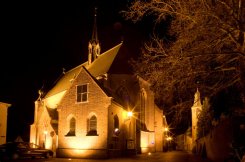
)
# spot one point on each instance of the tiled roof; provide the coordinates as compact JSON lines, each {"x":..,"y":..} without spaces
{"x":102,"y":64}
{"x":99,"y":67}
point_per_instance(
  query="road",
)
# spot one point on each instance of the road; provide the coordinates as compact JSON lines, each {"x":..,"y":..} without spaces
{"x":173,"y":156}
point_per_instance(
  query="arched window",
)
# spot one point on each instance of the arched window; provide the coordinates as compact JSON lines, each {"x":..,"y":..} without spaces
{"x":116,"y":126}
{"x":92,"y":126}
{"x":116,"y":122}
{"x":72,"y":124}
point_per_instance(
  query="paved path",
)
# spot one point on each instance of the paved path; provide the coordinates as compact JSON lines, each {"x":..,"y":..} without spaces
{"x":173,"y":156}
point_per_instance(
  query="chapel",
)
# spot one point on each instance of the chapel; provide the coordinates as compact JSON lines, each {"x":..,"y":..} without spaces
{"x":92,"y":113}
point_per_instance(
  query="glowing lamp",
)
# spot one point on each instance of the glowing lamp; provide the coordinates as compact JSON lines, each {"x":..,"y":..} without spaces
{"x":116,"y":131}
{"x":130,"y":114}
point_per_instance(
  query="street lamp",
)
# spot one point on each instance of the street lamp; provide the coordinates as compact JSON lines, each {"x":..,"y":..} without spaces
{"x":169,"y":138}
{"x":130,"y":140}
{"x":130,"y":114}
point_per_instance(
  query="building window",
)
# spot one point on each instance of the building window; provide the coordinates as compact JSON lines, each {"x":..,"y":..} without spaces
{"x":82,"y":93}
{"x":72,"y":131}
{"x":116,"y":122}
{"x":116,"y":126}
{"x":92,"y":126}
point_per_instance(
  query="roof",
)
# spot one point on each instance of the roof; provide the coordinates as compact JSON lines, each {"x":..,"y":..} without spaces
{"x":103,"y":63}
{"x":99,"y":67}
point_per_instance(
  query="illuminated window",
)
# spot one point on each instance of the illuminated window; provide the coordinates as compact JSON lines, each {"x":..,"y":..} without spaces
{"x":92,"y":126}
{"x":82,"y":93}
{"x":72,"y":131}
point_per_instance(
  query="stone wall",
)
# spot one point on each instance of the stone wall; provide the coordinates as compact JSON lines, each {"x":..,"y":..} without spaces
{"x":216,"y":146}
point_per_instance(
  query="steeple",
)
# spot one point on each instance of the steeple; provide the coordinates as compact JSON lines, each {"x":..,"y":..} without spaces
{"x":94,"y":45}
{"x":195,"y":110}
{"x":197,"y":99}
{"x":95,"y":34}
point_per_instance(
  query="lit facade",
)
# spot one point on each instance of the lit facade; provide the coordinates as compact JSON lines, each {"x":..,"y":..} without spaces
{"x":3,"y":121}
{"x":195,"y":110}
{"x":86,"y":114}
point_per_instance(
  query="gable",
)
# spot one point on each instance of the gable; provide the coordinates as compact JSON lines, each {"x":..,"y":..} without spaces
{"x":95,"y":92}
{"x":65,"y":81}
{"x":99,"y":67}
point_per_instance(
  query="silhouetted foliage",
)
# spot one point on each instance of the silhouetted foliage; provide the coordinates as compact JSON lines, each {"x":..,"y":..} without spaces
{"x":203,"y":47}
{"x":205,"y":119}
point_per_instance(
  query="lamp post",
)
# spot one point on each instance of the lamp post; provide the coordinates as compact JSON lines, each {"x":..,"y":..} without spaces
{"x":169,"y":137}
{"x":131,"y":132}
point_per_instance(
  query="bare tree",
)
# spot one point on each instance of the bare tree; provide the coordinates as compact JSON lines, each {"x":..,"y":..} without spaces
{"x":207,"y":47}
{"x":205,"y":119}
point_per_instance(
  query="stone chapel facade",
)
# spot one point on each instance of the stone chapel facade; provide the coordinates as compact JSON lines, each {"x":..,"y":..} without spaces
{"x":195,"y":110}
{"x":91,"y":113}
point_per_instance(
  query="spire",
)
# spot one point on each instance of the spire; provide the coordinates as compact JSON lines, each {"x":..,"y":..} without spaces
{"x":94,"y":45}
{"x":95,"y":34}
{"x":197,"y":99}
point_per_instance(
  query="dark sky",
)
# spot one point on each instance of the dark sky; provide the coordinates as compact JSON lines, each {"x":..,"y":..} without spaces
{"x":39,"y":39}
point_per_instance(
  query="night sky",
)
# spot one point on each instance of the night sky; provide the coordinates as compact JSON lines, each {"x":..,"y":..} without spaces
{"x":39,"y":39}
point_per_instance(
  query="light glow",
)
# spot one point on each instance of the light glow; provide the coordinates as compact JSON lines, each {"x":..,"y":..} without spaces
{"x":130,"y":113}
{"x":116,"y":130}
{"x":53,"y":101}
{"x":166,"y":129}
{"x":144,"y":141}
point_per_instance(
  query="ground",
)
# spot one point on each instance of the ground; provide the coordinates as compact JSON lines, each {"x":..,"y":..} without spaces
{"x":173,"y":156}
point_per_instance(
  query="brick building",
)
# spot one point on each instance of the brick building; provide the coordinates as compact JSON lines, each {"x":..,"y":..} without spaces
{"x":91,"y":113}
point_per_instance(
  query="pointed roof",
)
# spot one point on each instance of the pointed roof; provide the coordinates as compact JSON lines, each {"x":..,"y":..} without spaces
{"x":95,"y":34}
{"x":99,"y":67}
{"x":18,"y":139}
{"x":197,"y":99}
{"x":103,"y":62}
